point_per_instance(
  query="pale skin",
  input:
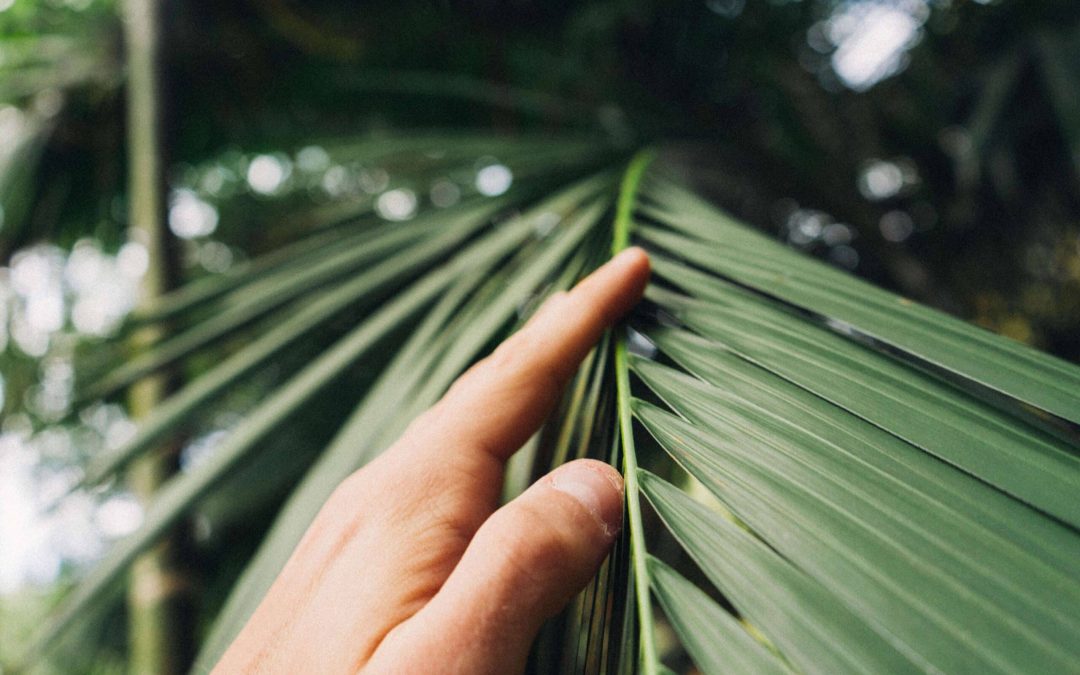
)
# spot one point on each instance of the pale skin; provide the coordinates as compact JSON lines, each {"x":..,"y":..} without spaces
{"x":411,"y":566}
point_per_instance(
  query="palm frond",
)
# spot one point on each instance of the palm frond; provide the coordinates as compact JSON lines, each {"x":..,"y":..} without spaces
{"x":741,"y":255}
{"x":847,"y":481}
{"x":714,"y":638}
{"x":902,"y":518}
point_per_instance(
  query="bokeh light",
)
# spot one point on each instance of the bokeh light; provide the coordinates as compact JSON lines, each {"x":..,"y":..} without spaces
{"x":399,"y":204}
{"x":190,"y":216}
{"x":266,"y":174}
{"x":494,"y":180}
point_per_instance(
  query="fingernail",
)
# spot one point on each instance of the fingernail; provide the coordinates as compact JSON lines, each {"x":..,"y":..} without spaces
{"x":597,"y":488}
{"x":626,"y":255}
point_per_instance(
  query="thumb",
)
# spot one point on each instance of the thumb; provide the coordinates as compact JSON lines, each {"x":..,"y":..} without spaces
{"x":523,"y":565}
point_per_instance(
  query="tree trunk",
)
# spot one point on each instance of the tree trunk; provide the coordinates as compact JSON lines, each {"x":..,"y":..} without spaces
{"x":160,"y":597}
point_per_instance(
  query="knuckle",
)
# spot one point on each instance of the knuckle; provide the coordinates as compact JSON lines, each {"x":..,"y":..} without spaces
{"x":508,"y":359}
{"x":451,"y":526}
{"x":350,"y":490}
{"x":506,"y":369}
{"x":555,"y":302}
{"x":509,"y":356}
{"x":432,"y":417}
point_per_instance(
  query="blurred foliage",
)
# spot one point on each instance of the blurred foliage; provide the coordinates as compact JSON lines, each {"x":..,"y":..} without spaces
{"x":983,"y":114}
{"x":977,"y":140}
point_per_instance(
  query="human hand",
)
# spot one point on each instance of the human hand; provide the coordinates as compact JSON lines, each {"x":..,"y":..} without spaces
{"x":409,"y":567}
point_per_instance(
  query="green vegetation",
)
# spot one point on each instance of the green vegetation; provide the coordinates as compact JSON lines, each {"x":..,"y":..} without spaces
{"x":822,"y":475}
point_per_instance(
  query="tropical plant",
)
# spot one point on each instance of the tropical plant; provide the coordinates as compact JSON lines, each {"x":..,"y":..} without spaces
{"x":846,"y":481}
{"x":821,"y":476}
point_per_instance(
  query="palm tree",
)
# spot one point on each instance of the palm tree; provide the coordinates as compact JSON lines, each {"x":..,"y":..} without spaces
{"x":820,"y":475}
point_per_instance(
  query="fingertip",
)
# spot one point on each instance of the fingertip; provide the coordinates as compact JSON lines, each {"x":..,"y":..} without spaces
{"x":633,"y":263}
{"x":633,"y":257}
{"x":596,"y":486}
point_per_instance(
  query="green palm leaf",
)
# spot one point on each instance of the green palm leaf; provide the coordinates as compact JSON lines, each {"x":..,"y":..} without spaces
{"x":851,"y":482}
{"x":730,"y":647}
{"x":749,"y":258}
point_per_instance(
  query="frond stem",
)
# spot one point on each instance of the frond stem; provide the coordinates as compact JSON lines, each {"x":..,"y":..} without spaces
{"x":633,"y":511}
{"x":624,"y":209}
{"x":628,"y":191}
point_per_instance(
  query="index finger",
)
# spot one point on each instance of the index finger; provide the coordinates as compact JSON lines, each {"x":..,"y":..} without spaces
{"x":503,"y":399}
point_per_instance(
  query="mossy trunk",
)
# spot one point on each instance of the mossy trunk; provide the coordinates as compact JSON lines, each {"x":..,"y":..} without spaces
{"x":160,"y":594}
